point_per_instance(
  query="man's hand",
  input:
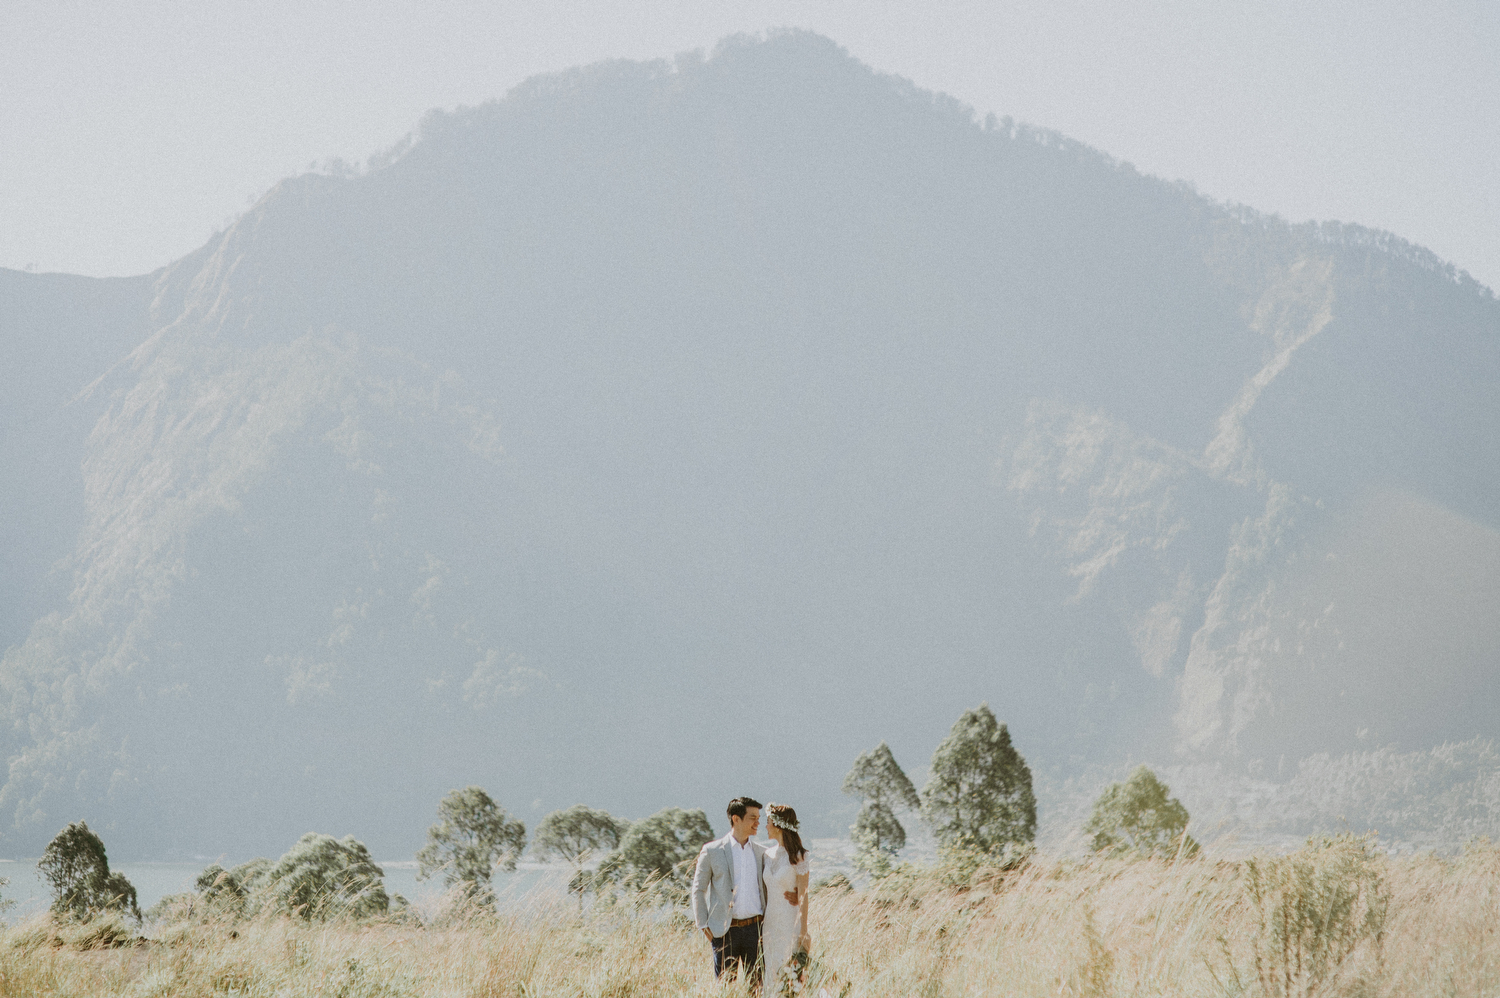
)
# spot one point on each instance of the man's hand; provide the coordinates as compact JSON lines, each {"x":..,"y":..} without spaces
{"x":792,"y":898}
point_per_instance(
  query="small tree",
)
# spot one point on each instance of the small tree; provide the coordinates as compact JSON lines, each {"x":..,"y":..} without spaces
{"x":1138,"y":817}
{"x":879,"y":782}
{"x":322,"y":877}
{"x":666,"y":841}
{"x":659,"y":849}
{"x":574,"y":835}
{"x":474,"y":836}
{"x":76,"y":866}
{"x":979,"y":799}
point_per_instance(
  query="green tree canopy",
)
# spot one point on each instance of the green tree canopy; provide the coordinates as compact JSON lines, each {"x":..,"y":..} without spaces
{"x":575,"y":834}
{"x":76,"y":867}
{"x":979,"y":797}
{"x":664,"y":844}
{"x":880,"y":783}
{"x":473,"y":836}
{"x":1138,"y":817}
{"x":877,"y":777}
{"x":322,"y":877}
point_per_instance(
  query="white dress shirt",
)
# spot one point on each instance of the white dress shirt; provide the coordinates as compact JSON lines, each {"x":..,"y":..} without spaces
{"x":746,"y":890}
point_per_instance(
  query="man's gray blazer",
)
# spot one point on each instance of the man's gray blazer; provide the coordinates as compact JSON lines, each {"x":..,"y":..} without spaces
{"x":713,"y":883}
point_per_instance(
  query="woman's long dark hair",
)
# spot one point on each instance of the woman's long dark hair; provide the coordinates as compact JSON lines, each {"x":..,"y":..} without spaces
{"x":790,"y":840}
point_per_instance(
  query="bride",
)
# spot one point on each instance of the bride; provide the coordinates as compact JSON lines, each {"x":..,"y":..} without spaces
{"x":784,"y":930}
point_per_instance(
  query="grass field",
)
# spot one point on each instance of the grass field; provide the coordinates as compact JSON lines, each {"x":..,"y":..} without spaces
{"x":1336,"y":918}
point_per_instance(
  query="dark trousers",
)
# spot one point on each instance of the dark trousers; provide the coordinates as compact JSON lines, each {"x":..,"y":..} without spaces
{"x":738,"y":951}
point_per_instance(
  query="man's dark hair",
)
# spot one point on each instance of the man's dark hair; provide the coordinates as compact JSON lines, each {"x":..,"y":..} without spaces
{"x":740,"y":805}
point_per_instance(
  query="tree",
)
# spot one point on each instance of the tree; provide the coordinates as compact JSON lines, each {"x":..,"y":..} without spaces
{"x":1138,"y":817}
{"x":979,"y":798}
{"x":662,"y":846}
{"x":474,"y":836}
{"x":877,"y":836}
{"x":76,"y":866}
{"x":879,"y":782}
{"x":574,"y":835}
{"x":322,"y":877}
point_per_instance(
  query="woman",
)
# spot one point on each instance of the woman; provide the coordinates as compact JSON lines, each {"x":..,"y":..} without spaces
{"x":784,"y":930}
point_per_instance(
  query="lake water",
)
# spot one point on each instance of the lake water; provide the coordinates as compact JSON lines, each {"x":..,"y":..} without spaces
{"x":531,"y":883}
{"x":153,"y":881}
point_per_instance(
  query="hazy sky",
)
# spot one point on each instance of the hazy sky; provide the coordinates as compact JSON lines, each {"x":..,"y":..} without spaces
{"x":130,"y":131}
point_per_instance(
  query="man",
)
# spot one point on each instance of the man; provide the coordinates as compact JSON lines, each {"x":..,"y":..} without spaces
{"x":729,"y":892}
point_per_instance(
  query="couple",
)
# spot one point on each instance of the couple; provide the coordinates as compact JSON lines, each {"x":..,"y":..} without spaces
{"x":749,"y":898}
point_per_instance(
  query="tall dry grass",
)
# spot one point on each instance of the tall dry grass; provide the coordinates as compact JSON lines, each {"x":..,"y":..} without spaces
{"x":1283,"y":925}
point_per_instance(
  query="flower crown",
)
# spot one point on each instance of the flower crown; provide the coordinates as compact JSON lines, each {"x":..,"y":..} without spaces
{"x":781,"y":822}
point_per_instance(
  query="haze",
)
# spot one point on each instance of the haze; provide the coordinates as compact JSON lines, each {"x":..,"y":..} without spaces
{"x":134,"y":130}
{"x":754,"y":375}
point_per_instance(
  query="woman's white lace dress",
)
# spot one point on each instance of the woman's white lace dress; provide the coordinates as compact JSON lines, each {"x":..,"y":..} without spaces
{"x":783,"y":921}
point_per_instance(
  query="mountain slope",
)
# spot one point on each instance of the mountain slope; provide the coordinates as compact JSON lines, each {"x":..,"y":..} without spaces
{"x":664,"y":432}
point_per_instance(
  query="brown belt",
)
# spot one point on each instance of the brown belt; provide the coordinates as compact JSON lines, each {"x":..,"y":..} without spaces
{"x":735,"y":923}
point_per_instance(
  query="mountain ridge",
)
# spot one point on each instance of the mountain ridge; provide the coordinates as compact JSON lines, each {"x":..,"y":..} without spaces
{"x":648,"y":382}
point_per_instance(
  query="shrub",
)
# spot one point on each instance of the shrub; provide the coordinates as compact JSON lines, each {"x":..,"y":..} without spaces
{"x":1313,"y":909}
{"x":229,"y":891}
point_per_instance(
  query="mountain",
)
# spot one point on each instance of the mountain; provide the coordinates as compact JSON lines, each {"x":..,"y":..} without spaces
{"x":668,"y":431}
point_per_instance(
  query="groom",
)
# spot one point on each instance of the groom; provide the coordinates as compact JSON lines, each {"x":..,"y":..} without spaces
{"x":729,"y":892}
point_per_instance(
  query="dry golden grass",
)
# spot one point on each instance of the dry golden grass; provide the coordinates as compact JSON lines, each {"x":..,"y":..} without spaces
{"x":1055,"y":927}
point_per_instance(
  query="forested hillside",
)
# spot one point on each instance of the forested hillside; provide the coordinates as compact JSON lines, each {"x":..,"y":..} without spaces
{"x":668,"y":431}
